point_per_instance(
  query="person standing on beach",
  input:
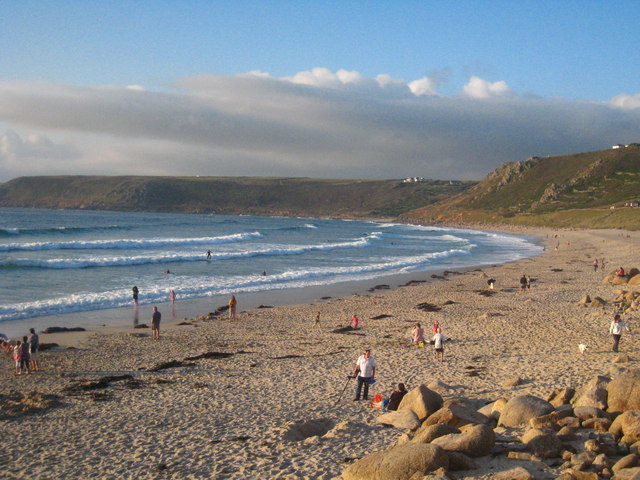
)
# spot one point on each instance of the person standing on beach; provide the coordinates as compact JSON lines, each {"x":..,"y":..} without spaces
{"x":172,"y":296}
{"x":34,"y":343}
{"x":355,"y":321}
{"x":17,"y":356}
{"x":615,"y":330}
{"x":595,"y":265}
{"x":528,"y":283}
{"x":155,"y":324}
{"x":135,"y":295}
{"x":523,"y":283}
{"x":25,"y":354}
{"x":438,"y":340}
{"x":317,"y":320}
{"x":365,"y":372}
{"x":233,"y":304}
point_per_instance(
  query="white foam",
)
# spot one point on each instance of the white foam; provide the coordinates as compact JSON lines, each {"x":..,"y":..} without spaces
{"x":128,"y":243}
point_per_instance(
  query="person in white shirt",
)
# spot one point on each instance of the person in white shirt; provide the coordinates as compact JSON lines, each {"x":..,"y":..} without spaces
{"x":438,"y":339}
{"x":365,"y":372}
{"x":615,"y":330}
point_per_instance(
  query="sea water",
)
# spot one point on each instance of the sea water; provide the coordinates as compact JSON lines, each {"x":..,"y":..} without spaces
{"x":57,"y":262}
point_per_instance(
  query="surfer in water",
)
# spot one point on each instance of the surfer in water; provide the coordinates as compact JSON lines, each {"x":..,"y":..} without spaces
{"x":135,"y":295}
{"x":208,"y":254}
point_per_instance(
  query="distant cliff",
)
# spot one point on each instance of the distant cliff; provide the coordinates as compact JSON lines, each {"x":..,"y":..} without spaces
{"x":230,"y":195}
{"x":588,"y":190}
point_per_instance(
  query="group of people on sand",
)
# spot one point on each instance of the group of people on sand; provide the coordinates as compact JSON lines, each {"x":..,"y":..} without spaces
{"x":418,"y":338}
{"x":365,"y":373}
{"x":25,"y":352}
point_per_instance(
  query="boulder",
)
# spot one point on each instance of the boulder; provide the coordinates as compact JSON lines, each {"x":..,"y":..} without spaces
{"x":460,"y":461}
{"x":428,"y":433}
{"x":628,"y":474}
{"x":623,"y":392}
{"x":561,"y":397}
{"x":512,"y":382}
{"x":593,"y":394}
{"x":620,"y":280}
{"x":474,"y":441}
{"x":517,"y":473}
{"x":635,"y":280}
{"x":569,"y":422}
{"x":542,"y":444}
{"x":404,"y":419}
{"x":567,"y":434}
{"x":399,"y":462}
{"x":627,"y":426}
{"x":519,"y":410}
{"x":584,"y":413}
{"x":550,"y":420}
{"x":456,"y":416}
{"x":422,"y":401}
{"x":498,"y":407}
{"x":628,"y":461}
{"x":573,"y":474}
{"x":600,"y":424}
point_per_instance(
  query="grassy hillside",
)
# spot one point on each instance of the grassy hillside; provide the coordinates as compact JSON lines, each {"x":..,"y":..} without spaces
{"x":566,"y":191}
{"x":232,"y":195}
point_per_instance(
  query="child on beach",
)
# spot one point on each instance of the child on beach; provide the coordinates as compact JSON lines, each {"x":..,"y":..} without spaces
{"x":438,"y":346}
{"x":355,"y":321}
{"x":317,"y":321}
{"x":17,"y":356}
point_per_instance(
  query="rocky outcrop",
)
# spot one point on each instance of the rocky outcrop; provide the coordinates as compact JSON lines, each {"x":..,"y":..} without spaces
{"x":422,"y":401}
{"x":519,"y":410}
{"x":398,"y":463}
{"x":623,"y":392}
{"x":473,"y":440}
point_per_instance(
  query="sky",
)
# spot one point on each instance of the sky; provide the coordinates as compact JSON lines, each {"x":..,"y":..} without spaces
{"x":330,"y":89}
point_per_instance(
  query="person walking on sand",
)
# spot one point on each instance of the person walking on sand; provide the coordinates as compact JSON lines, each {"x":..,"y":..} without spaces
{"x":528,"y":283}
{"x":317,"y":320}
{"x":135,"y":295}
{"x":365,"y":372}
{"x":355,"y":321}
{"x":438,"y":340}
{"x":34,"y":347}
{"x":615,"y":330}
{"x":595,"y":265}
{"x":418,"y":335}
{"x":233,"y":304}
{"x":155,"y":324}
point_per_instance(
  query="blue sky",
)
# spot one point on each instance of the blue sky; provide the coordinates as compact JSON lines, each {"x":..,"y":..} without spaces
{"x":572,"y":68}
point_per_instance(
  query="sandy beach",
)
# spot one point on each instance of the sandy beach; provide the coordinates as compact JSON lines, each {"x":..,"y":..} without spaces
{"x":267,"y":410}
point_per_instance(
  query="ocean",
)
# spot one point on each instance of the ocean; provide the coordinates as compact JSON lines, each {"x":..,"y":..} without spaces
{"x":72,"y":264}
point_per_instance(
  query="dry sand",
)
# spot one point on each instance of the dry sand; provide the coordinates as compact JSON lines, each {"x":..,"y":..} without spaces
{"x":235,"y":417}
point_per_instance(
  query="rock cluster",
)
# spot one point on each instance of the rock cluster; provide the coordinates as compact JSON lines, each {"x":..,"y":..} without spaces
{"x":591,"y":433}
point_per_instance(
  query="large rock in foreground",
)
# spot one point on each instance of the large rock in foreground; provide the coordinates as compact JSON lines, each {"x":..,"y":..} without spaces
{"x":627,"y":426}
{"x":404,"y":419}
{"x":593,"y":394}
{"x":474,"y":441}
{"x":422,"y":401}
{"x":398,"y":463}
{"x":519,"y":410}
{"x":623,"y":392}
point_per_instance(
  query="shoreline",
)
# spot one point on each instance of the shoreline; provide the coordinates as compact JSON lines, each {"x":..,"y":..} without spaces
{"x":231,"y":418}
{"x":124,"y":317}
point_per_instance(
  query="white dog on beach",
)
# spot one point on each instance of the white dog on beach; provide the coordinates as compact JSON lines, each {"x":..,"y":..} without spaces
{"x":582,"y":347}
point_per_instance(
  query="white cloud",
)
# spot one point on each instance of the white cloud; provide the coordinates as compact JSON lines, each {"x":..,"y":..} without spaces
{"x":423,"y":86}
{"x":481,"y":88}
{"x":626,"y":101}
{"x":315,"y":123}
